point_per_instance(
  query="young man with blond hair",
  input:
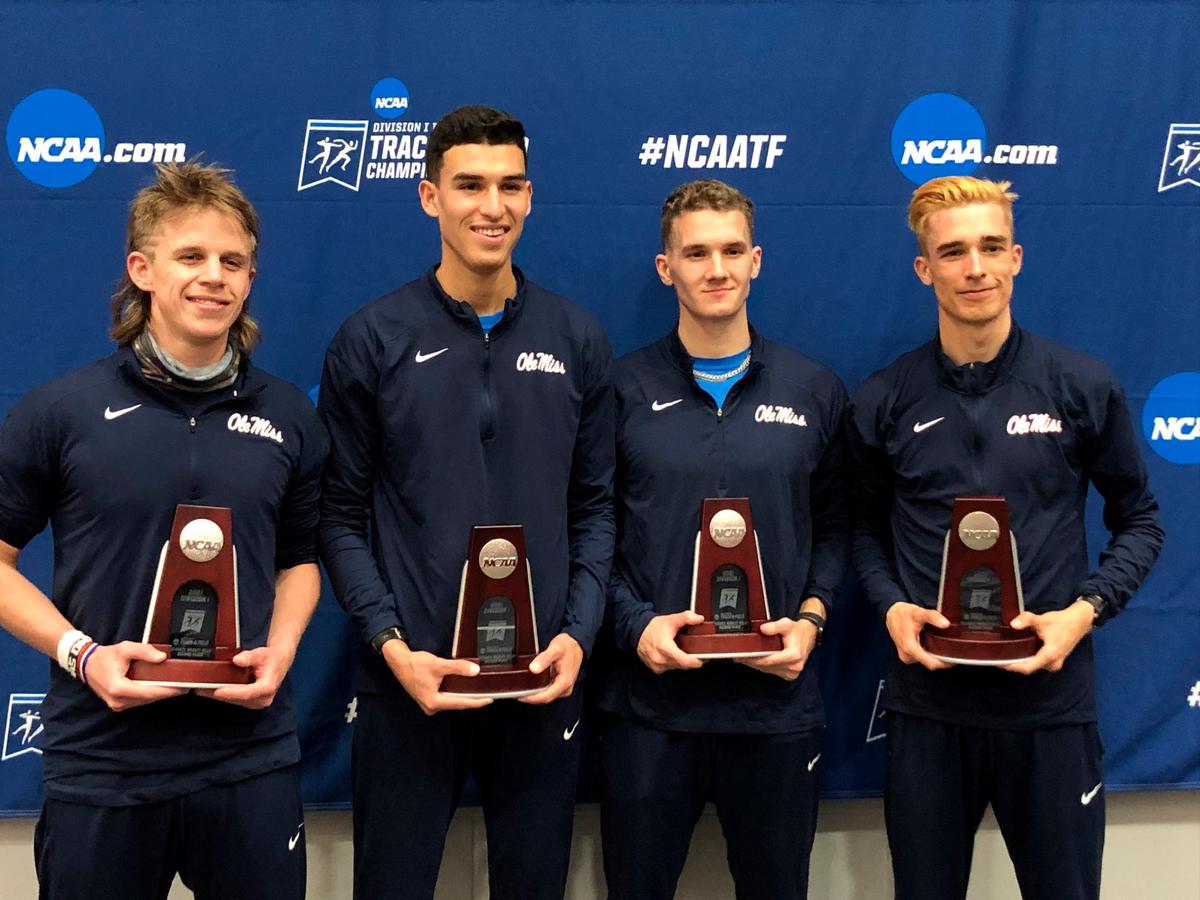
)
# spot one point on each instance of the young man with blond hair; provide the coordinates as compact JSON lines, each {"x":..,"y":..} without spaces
{"x":714,"y":409}
{"x":142,"y":781}
{"x":945,"y":421}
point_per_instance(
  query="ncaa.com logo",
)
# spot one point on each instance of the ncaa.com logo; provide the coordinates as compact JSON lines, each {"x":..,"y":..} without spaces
{"x":943,"y":134}
{"x":1171,"y":418}
{"x":56,"y":139}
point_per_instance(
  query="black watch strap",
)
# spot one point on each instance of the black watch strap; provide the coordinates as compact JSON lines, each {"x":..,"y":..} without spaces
{"x":816,"y":619}
{"x":388,"y":634}
{"x":1100,"y":605}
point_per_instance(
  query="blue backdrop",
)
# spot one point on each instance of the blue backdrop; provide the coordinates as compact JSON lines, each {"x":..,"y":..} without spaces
{"x":825,"y":113}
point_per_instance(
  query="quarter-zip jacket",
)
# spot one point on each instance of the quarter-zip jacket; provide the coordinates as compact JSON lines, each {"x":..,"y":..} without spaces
{"x":776,"y":440}
{"x":1036,"y":425}
{"x":437,"y":427}
{"x":105,"y":456}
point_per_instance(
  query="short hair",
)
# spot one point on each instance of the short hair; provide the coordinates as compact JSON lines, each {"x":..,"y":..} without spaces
{"x":956,"y":190}
{"x":707,"y":193}
{"x":178,"y":187}
{"x":471,"y":125}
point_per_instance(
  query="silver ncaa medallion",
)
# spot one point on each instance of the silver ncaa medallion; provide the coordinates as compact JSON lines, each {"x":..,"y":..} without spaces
{"x":727,"y":528}
{"x":498,"y":558}
{"x":979,"y":530}
{"x":201,"y":540}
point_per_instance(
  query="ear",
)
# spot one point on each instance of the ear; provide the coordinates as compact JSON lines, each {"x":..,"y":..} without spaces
{"x":1018,"y":257}
{"x":428,"y":193}
{"x":921,"y":267}
{"x":755,"y":262}
{"x":528,"y":197}
{"x":664,"y":269}
{"x":137,"y":264}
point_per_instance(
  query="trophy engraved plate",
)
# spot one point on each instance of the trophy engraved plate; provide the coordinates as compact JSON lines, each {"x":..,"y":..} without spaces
{"x":193,"y":621}
{"x":980,"y":589}
{"x":193,"y":615}
{"x":728,"y":586}
{"x":729,"y":590}
{"x":496,"y":632}
{"x":496,"y":625}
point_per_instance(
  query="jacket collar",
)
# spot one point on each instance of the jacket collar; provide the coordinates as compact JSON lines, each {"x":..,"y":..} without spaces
{"x":463,"y":312}
{"x":980,"y":377}
{"x":248,"y":383}
{"x":672,"y":347}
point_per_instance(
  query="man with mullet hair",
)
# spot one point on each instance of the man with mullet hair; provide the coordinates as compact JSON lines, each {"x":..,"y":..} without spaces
{"x":937,"y":424}
{"x":143,"y":781}
{"x":470,"y":396}
{"x":714,"y":409}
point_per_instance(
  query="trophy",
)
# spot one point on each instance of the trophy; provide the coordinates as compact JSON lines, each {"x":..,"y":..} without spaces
{"x":495,"y":625}
{"x":980,"y":589}
{"x":193,"y":615}
{"x":727,"y":586}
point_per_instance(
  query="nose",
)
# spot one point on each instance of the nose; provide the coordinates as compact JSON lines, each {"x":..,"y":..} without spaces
{"x":974,"y":264}
{"x":213,"y":272}
{"x":490,"y":204}
{"x":716,"y":269}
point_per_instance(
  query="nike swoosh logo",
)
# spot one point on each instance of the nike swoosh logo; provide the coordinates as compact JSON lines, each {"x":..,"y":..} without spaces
{"x":569,"y":733}
{"x":1085,"y":799}
{"x":423,"y":357}
{"x":918,"y":427}
{"x":294,"y":838}
{"x":659,"y":407}
{"x":812,"y":762}
{"x":110,"y":413}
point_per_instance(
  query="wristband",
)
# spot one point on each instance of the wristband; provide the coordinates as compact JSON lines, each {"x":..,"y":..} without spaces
{"x":84,"y":655}
{"x":64,"y":645}
{"x":816,"y":619}
{"x":70,"y":645}
{"x":388,"y":634}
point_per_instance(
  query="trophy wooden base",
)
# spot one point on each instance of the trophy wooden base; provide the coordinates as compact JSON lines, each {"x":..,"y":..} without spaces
{"x":980,"y":647}
{"x":499,"y":682}
{"x":193,"y":673}
{"x":703,"y":641}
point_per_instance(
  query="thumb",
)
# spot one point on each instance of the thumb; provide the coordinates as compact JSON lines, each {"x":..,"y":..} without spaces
{"x":685,"y":617}
{"x":1021,"y":622}
{"x":777,"y":626}
{"x":936,"y":619}
{"x":249,"y":657}
{"x":546,"y":657}
{"x":458,"y":667}
{"x":146,"y":652}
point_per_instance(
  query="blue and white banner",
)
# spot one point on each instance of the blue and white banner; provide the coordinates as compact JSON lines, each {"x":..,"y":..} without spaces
{"x":826,"y":113}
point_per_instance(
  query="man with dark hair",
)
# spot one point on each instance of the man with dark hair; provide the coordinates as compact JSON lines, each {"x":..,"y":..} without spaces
{"x":715,"y":410}
{"x":989,"y":409}
{"x":143,"y":781}
{"x":470,"y":396}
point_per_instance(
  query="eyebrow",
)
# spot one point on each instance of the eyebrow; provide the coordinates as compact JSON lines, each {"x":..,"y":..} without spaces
{"x":196,"y":248}
{"x":986,"y":239}
{"x":471,"y":176}
{"x":686,"y":248}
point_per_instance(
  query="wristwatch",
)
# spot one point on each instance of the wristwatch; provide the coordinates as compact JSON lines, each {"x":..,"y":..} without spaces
{"x":816,"y":619}
{"x":1099,"y":604}
{"x":388,"y":634}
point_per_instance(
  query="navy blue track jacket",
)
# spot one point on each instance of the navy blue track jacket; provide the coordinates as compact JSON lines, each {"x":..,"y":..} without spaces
{"x":1034,"y":425}
{"x":437,"y":427}
{"x":777,"y":441}
{"x":105,"y":456}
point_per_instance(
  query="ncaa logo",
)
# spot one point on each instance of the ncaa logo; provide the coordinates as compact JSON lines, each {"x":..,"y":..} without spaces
{"x":389,"y":98}
{"x":55,"y":138}
{"x":1171,"y":418}
{"x":938,"y":134}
